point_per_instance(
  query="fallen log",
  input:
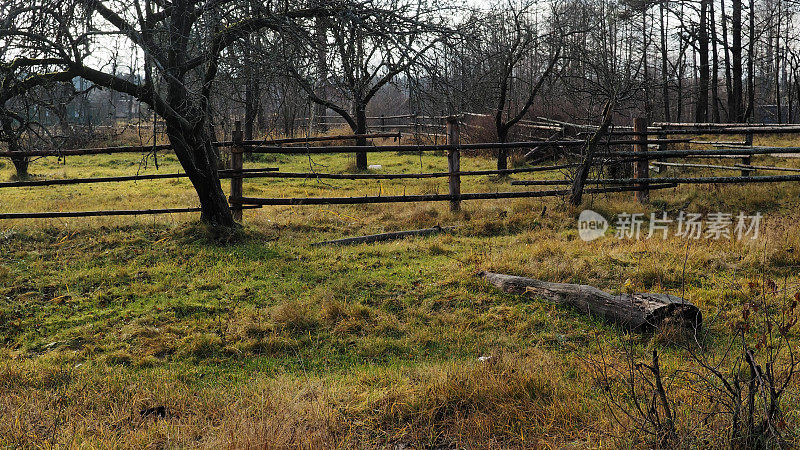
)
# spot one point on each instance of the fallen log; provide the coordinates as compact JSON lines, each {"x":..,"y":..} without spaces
{"x":384,"y":236}
{"x":638,"y":312}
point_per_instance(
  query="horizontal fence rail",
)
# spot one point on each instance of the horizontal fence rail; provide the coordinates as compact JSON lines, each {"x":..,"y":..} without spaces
{"x":710,"y":153}
{"x":392,"y":176}
{"x":151,"y":148}
{"x":680,"y":180}
{"x":118,"y":212}
{"x":428,"y":197}
{"x":442,"y":147}
{"x":223,"y":174}
{"x":301,"y":140}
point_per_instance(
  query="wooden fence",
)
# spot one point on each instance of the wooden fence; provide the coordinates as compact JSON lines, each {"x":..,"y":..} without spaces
{"x":642,"y":157}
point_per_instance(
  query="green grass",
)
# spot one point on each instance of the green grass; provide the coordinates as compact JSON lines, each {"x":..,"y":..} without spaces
{"x":270,"y":341}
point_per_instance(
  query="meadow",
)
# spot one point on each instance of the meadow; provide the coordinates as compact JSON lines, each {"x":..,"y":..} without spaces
{"x":149,"y":332}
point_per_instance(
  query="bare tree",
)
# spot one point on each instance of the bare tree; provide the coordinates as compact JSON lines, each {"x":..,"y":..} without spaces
{"x":365,"y":53}
{"x":181,"y":43}
{"x":522,"y":57}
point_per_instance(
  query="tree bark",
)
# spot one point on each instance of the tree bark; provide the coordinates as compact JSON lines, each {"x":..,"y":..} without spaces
{"x":715,"y":116}
{"x":777,"y":70}
{"x":251,"y":91}
{"x":701,"y":108}
{"x":198,"y":158}
{"x":751,"y":66}
{"x":502,"y":154}
{"x":10,"y":136}
{"x":736,"y":96}
{"x":319,"y":110}
{"x":664,"y":62}
{"x":361,"y":129}
{"x":576,"y":195}
{"x":638,"y":312}
{"x":727,"y":58}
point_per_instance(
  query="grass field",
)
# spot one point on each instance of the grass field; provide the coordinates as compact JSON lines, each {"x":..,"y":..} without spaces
{"x":144,"y":331}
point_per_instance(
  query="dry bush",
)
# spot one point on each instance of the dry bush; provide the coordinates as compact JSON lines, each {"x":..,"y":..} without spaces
{"x":738,"y":391}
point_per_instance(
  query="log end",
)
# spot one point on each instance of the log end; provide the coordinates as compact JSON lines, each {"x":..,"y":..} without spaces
{"x":681,"y":315}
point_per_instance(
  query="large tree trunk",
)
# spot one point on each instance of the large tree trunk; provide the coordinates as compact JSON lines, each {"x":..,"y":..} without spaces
{"x":361,"y":129}
{"x":648,"y":108}
{"x":318,"y":111}
{"x":715,"y":66}
{"x":199,"y":160}
{"x":664,"y":62}
{"x":502,"y":154}
{"x":10,"y":136}
{"x":751,"y":66}
{"x":251,"y":95}
{"x":576,"y":194}
{"x":778,"y":98}
{"x":701,"y":108}
{"x":727,"y":59}
{"x":735,"y":97}
{"x":637,"y":312}
{"x":797,"y":87}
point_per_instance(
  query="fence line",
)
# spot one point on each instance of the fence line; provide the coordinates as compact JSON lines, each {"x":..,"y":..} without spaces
{"x":641,"y":136}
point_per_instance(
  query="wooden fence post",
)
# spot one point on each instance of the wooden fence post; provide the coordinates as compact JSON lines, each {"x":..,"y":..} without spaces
{"x":237,"y":165}
{"x":416,"y":127}
{"x":454,"y":164}
{"x":662,"y":146}
{"x":747,"y":159}
{"x":641,"y":166}
{"x":383,"y":123}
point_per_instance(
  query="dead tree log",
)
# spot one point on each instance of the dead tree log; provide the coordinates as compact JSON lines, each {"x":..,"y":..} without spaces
{"x":576,"y":196}
{"x":637,"y":312}
{"x":384,"y":236}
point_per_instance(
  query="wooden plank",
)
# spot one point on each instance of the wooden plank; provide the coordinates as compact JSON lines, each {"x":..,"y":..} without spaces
{"x":128,"y":212}
{"x":381,"y":237}
{"x":782,"y":169}
{"x":118,"y":212}
{"x":686,"y":180}
{"x":440,"y":147}
{"x":158,"y":176}
{"x":695,"y":166}
{"x":300,"y":140}
{"x":707,"y":153}
{"x":273,"y":147}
